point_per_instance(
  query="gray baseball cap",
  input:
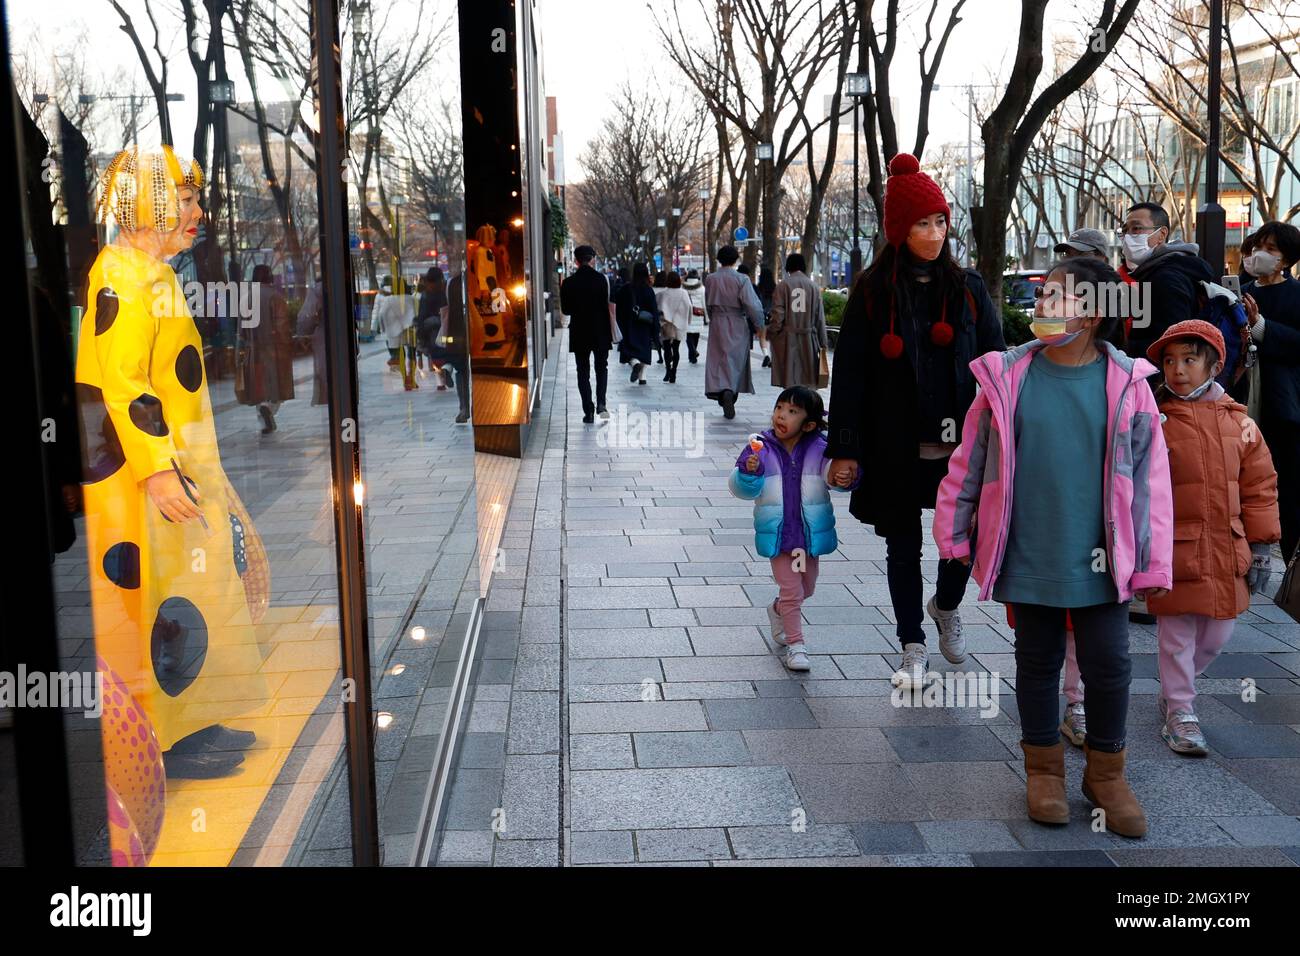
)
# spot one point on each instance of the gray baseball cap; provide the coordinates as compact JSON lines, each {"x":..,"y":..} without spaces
{"x":1085,"y":241}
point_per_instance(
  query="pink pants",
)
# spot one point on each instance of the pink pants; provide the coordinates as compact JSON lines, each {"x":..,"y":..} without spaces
{"x":796,"y":587}
{"x":1188,"y":643}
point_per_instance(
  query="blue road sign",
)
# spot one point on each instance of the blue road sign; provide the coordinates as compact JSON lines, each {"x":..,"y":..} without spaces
{"x":741,"y":234}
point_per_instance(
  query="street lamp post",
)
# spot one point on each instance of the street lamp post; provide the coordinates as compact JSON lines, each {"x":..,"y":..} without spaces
{"x":705,"y":255}
{"x":857,"y":85}
{"x":677,"y":219}
{"x":1211,"y":220}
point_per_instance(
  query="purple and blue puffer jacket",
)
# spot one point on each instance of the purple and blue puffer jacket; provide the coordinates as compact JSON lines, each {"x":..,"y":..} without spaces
{"x":975,"y":499}
{"x":789,"y":484}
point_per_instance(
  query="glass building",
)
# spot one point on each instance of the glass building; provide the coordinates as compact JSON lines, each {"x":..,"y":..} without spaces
{"x":283,"y":326}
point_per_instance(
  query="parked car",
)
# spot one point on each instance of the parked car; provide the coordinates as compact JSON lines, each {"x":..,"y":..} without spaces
{"x":1018,"y":287}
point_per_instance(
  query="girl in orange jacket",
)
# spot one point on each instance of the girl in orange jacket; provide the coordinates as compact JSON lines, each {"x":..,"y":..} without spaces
{"x":1225,"y":518}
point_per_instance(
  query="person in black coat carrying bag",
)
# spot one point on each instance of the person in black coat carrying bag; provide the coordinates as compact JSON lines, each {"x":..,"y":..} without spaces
{"x":584,"y":298}
{"x":900,"y":390}
{"x":638,"y":321}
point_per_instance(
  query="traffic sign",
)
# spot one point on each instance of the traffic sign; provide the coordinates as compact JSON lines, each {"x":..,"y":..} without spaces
{"x":741,"y":234}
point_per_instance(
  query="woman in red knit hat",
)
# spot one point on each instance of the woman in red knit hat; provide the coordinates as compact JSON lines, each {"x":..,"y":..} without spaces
{"x":914,"y":322}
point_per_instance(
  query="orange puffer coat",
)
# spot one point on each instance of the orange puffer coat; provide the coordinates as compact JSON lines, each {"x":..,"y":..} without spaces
{"x":1225,"y":498}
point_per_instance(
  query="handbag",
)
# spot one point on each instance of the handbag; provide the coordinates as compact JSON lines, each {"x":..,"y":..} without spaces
{"x":615,"y":333}
{"x":1288,"y":592}
{"x":823,"y":370}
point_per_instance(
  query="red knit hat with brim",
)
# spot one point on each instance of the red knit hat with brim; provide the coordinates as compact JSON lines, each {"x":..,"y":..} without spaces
{"x":1188,"y":329}
{"x":909,"y":195}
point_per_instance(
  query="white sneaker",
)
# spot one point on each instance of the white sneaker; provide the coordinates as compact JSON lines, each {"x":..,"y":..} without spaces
{"x":951,"y":643}
{"x":796,"y":657}
{"x":778,"y":628}
{"x":916,"y":661}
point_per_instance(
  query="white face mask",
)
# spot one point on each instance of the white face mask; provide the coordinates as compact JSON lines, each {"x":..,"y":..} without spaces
{"x":1261,"y":263}
{"x":1136,"y":250}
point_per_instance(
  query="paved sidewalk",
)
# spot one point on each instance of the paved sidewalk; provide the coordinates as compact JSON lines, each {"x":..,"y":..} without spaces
{"x":665,"y":730}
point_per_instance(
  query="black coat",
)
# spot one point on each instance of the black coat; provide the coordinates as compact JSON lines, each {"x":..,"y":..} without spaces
{"x":873,"y":413}
{"x":1279,"y":353}
{"x":638,"y":337}
{"x":1172,"y":274}
{"x":584,"y":298}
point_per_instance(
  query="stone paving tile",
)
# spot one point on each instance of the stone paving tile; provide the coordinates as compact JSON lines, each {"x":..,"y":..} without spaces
{"x":616,"y":671}
{"x":680,"y":798}
{"x":466,"y":846}
{"x":851,"y":793}
{"x":1162,"y":831}
{"x":968,"y":791}
{"x":598,"y":693}
{"x":534,"y":723}
{"x":1202,"y":857}
{"x":819,"y":746}
{"x":616,"y":717}
{"x":880,"y":838}
{"x":1276,"y":780}
{"x":602,"y":846}
{"x":600,"y":752}
{"x":1195,"y":788}
{"x":763,"y":712}
{"x":926,"y":744}
{"x":826,"y":840}
{"x":527,"y":853}
{"x":1261,"y":740}
{"x":966,"y":836}
{"x":710,"y":748}
{"x":664,"y":846}
{"x":727,"y":641}
{"x":1262,"y":831}
{"x":709,"y":690}
{"x":629,"y":642}
{"x":723,"y":668}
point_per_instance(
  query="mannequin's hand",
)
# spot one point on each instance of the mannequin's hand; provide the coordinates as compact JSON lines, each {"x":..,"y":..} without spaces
{"x":169,"y":497}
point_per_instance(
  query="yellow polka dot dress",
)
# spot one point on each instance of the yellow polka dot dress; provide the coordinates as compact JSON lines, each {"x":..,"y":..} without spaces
{"x":170,"y":613}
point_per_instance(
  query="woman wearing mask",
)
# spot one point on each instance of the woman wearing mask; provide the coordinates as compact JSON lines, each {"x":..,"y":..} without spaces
{"x":913,"y":324}
{"x":1272,"y":304}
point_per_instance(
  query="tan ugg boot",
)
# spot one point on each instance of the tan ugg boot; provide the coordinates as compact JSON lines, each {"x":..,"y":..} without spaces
{"x":1045,"y":787}
{"x":1104,"y":786}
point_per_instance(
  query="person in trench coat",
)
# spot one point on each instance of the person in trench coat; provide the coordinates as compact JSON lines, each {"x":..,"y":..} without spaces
{"x":735,"y":317}
{"x":796,"y":332}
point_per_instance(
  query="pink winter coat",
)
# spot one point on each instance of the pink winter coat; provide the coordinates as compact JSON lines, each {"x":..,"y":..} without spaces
{"x":974,"y":501}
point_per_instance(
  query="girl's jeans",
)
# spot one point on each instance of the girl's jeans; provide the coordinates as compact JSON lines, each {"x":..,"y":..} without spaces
{"x":796,"y":586}
{"x":1101,"y":643}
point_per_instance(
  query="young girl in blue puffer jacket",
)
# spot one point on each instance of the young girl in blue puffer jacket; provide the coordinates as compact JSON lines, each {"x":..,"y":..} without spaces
{"x":784,"y":472}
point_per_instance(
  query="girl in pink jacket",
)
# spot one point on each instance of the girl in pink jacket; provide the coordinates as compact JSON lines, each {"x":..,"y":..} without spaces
{"x":1060,"y":494}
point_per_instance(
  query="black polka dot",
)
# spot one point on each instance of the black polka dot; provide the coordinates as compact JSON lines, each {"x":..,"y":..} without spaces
{"x":189,"y":368}
{"x":147,"y":415}
{"x":238,"y":544}
{"x":122,"y":565}
{"x":101,"y":451}
{"x":179,"y":645}
{"x":106,"y":304}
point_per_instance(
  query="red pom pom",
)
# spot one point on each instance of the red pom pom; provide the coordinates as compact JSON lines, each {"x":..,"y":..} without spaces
{"x":941,"y":334}
{"x":903,"y":164}
{"x":891,"y":345}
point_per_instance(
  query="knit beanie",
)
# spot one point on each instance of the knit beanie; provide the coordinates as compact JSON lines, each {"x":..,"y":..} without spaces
{"x":909,"y":195}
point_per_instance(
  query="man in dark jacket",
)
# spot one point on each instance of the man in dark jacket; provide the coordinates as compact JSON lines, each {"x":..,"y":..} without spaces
{"x":1169,"y":272}
{"x":584,"y":298}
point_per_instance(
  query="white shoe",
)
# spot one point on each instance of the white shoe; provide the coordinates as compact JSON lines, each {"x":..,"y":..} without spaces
{"x":916,"y":661}
{"x":796,"y":657}
{"x":778,"y":628}
{"x":951,"y":643}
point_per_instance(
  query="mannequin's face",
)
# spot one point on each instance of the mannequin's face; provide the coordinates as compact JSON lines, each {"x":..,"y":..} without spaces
{"x":164,"y":245}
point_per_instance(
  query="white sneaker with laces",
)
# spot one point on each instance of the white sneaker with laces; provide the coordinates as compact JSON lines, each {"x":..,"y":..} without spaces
{"x":951,"y":643}
{"x":796,"y":657}
{"x":778,"y":628}
{"x":916,"y":661}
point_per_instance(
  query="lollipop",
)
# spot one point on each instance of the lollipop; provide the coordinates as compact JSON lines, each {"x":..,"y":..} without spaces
{"x":756,"y":442}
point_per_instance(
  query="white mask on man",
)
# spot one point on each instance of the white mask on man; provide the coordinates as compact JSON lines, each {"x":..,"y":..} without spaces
{"x":1261,"y":263}
{"x":1136,"y":250}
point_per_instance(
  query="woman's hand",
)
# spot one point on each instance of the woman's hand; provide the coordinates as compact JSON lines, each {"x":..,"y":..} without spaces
{"x":1252,"y":309}
{"x":168,"y":495}
{"x":843,"y":472}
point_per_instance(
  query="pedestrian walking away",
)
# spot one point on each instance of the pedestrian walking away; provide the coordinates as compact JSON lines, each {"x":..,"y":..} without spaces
{"x":902,"y":384}
{"x":1081,"y":519}
{"x":736,"y":316}
{"x":784,"y":472}
{"x":675,"y":314}
{"x":695,"y":288}
{"x":584,"y":298}
{"x":796,"y":331}
{"x":638,"y":319}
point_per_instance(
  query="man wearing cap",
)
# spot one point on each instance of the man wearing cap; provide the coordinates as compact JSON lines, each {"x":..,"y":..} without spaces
{"x":1084,"y":242}
{"x":584,"y":298}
